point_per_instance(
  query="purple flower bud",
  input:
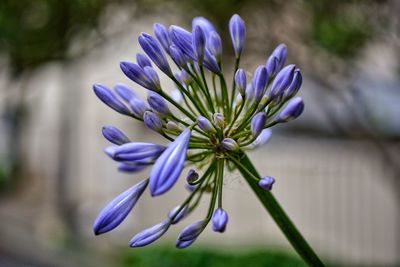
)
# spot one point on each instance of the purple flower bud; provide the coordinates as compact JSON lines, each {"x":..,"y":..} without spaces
{"x":258,"y":123}
{"x":210,"y":62}
{"x":260,"y":81}
{"x":282,"y":80}
{"x":150,"y":235}
{"x":116,"y":211}
{"x":237,"y":30}
{"x":125,"y":92}
{"x":263,"y":138}
{"x":199,"y":43}
{"x":161,"y":33}
{"x":131,"y":167}
{"x":176,"y":95}
{"x":138,"y":107}
{"x":204,"y":24}
{"x":138,"y":75}
{"x":240,"y":81}
{"x":230,"y":144}
{"x":183,"y":40}
{"x":142,"y":60}
{"x":266,"y":182}
{"x":153,"y":76}
{"x":205,"y":125}
{"x":178,"y":217}
{"x":134,"y":151}
{"x":110,"y":99}
{"x":157,"y":103}
{"x":190,"y":233}
{"x":152,"y":121}
{"x":272,"y":65}
{"x":114,"y":135}
{"x":280,"y":52}
{"x":169,"y":165}
{"x":192,"y":176}
{"x":151,"y":47}
{"x":219,"y":120}
{"x":294,"y":85}
{"x":292,"y":110}
{"x":214,"y":45}
{"x":178,"y":57}
{"x":219,"y":220}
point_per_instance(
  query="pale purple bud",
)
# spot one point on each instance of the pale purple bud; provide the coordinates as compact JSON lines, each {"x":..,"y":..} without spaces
{"x":258,"y":123}
{"x":183,"y":40}
{"x":114,"y":135}
{"x":249,"y":91}
{"x":142,"y":60}
{"x":263,"y":138}
{"x":116,"y":211}
{"x":190,"y":233}
{"x":169,"y":165}
{"x":150,"y":235}
{"x":238,"y":100}
{"x":204,"y":24}
{"x":153,"y":50}
{"x":205,"y":125}
{"x":152,"y":121}
{"x":199,"y":43}
{"x":240,"y":81}
{"x":161,"y":33}
{"x":137,"y":74}
{"x":157,"y":103}
{"x":172,"y":126}
{"x":282,"y":80}
{"x":294,"y":85}
{"x":214,"y":45}
{"x":237,"y":30}
{"x":230,"y":144}
{"x":192,"y":176}
{"x":110,"y":99}
{"x":176,"y":95}
{"x":219,"y":120}
{"x":266,"y":182}
{"x":177,"y":216}
{"x":260,"y":81}
{"x":125,"y":92}
{"x":138,"y":107}
{"x":292,"y":110}
{"x":219,"y":220}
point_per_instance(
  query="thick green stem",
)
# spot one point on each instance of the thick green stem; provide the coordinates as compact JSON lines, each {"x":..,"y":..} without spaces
{"x":278,"y":214}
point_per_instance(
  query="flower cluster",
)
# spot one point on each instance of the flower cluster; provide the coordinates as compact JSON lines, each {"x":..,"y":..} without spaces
{"x":209,"y":125}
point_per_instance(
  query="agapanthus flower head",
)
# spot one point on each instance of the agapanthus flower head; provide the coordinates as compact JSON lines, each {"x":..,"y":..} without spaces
{"x":209,"y":125}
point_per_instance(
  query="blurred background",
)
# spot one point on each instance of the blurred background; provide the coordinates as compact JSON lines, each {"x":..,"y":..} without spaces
{"x":337,"y":166}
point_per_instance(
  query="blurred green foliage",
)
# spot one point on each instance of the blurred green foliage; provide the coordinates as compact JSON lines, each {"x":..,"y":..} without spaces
{"x":200,"y":257}
{"x":340,"y":27}
{"x":33,"y":32}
